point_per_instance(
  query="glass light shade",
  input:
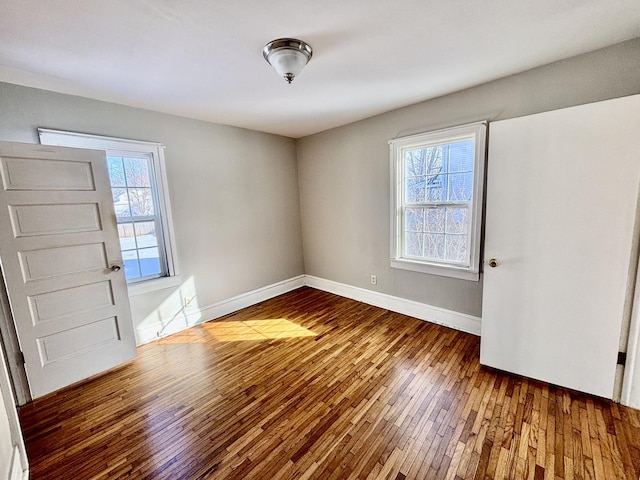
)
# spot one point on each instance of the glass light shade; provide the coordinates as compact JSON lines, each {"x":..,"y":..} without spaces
{"x":287,"y":56}
{"x":287,"y":61}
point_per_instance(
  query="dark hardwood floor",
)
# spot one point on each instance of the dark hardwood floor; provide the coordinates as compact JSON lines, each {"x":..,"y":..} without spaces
{"x":310,"y":385}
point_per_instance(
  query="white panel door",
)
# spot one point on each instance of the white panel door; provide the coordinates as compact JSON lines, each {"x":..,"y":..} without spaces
{"x":562,"y":190}
{"x":61,"y":261}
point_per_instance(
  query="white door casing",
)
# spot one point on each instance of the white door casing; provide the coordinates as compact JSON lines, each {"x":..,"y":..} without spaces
{"x":60,"y":256}
{"x":561,"y":207}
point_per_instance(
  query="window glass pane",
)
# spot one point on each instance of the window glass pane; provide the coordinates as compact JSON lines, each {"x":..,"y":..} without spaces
{"x":127,"y":240}
{"x":434,"y":246}
{"x":414,"y":220}
{"x":461,"y":156}
{"x":435,"y":220}
{"x":116,"y":171}
{"x":137,"y":171}
{"x":413,"y":244}
{"x":457,"y":248}
{"x":457,"y":219}
{"x":460,"y":186}
{"x":146,"y":234}
{"x":434,"y":157}
{"x":131,"y":266}
{"x":414,"y":162}
{"x":436,"y":188}
{"x":149,"y":261}
{"x":121,"y":202}
{"x":414,"y":189}
{"x":141,"y":200}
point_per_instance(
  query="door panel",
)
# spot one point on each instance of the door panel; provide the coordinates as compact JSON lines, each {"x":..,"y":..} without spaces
{"x":28,"y":220}
{"x":53,"y":262}
{"x":46,"y":174}
{"x":70,"y":308}
{"x":56,"y":304}
{"x":77,"y":340}
{"x":562,"y":190}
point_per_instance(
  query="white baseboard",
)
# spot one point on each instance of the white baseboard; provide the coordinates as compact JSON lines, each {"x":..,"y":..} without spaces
{"x":190,"y":316}
{"x":16,"y":471}
{"x":225,"y":307}
{"x":441,"y":316}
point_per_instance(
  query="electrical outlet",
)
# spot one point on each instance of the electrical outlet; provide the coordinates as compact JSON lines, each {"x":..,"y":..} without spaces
{"x":374,"y":280}
{"x":187,"y":301}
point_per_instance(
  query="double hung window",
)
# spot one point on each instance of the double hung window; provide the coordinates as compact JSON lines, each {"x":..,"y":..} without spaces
{"x":437,"y":181}
{"x":135,"y":200}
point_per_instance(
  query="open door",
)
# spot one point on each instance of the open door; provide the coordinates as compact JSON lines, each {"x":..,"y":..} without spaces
{"x":61,"y":260}
{"x":562,"y":190}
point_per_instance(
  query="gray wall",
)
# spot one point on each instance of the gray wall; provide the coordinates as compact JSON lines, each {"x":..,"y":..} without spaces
{"x":234,"y":192}
{"x":238,"y":195}
{"x":344,"y":172}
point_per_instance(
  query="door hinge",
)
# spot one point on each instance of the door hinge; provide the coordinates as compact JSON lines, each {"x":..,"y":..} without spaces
{"x":20,"y":358}
{"x":622,"y":358}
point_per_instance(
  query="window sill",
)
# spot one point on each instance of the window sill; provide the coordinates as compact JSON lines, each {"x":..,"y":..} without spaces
{"x":430,"y":268}
{"x":152,"y":285}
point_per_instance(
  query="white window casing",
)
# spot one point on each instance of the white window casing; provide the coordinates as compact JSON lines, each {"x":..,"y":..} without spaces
{"x":410,"y":197}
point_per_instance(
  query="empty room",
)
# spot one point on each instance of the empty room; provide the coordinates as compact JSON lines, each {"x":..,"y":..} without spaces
{"x":320,"y":240}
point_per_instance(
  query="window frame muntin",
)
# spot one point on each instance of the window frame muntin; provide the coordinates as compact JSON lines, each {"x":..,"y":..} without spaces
{"x":397,"y":147}
{"x":156,"y":149}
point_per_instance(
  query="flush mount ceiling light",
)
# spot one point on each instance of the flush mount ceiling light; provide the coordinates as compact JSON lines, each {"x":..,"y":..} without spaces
{"x":288,"y":56}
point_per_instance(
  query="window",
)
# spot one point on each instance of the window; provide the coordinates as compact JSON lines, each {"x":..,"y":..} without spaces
{"x":437,"y":183}
{"x":140,"y":200}
{"x":136,"y":206}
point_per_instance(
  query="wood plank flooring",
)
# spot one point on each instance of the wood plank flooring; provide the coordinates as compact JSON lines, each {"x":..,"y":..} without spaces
{"x":310,"y":385}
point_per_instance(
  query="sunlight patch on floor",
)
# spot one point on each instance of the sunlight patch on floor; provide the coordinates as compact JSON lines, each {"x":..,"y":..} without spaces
{"x":238,"y":331}
{"x":235,"y":331}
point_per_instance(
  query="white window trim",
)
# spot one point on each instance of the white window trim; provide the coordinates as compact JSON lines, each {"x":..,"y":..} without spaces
{"x":98,"y":142}
{"x":396,"y":147}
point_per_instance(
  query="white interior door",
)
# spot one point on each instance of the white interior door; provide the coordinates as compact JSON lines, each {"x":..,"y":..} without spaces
{"x":61,"y":261}
{"x":562,"y":190}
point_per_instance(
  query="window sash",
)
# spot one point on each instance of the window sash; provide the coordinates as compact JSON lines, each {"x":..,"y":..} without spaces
{"x":440,"y":206}
{"x":159,"y":246}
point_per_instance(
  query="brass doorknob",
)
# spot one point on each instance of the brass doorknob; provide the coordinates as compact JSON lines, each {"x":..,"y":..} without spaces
{"x":493,"y":262}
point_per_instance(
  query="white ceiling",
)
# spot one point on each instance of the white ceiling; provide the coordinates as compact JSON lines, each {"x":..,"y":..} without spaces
{"x":203,"y":58}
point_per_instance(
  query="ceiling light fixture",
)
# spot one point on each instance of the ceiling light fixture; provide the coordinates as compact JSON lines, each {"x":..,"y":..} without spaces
{"x":288,"y":56}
